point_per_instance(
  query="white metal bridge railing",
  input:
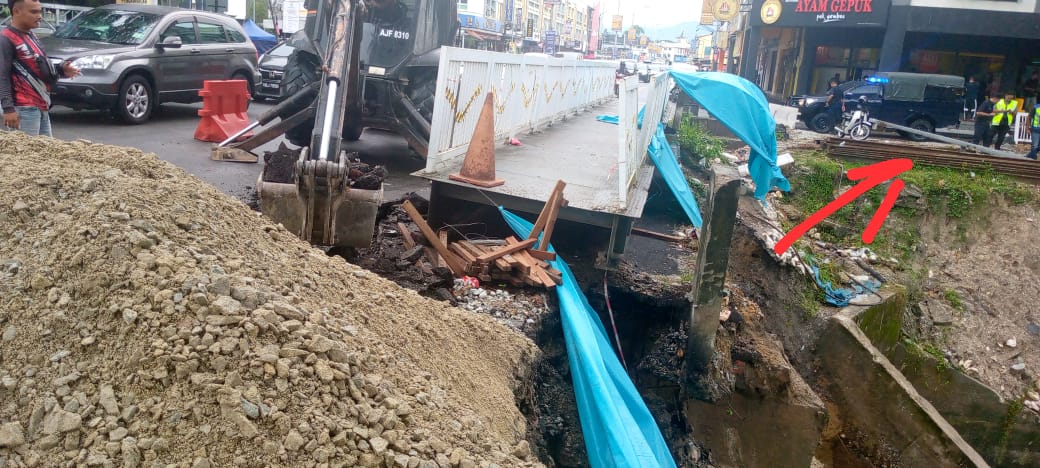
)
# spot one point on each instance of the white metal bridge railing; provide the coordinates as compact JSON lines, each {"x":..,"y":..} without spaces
{"x":633,"y":138}
{"x":530,"y":92}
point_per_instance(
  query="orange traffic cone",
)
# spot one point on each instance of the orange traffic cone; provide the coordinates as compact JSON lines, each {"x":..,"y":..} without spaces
{"x":479,"y":166}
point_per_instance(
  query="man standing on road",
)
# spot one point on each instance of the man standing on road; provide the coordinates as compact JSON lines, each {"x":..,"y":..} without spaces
{"x":26,"y":73}
{"x":984,"y":122}
{"x":1004,"y":115}
{"x":835,"y":102}
{"x":1034,"y":132}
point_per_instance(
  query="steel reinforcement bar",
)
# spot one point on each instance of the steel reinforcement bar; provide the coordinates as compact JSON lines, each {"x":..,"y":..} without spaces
{"x":1021,"y":168}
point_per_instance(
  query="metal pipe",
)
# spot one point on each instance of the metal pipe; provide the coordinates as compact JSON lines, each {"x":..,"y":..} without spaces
{"x":238,"y":134}
{"x":326,"y":129}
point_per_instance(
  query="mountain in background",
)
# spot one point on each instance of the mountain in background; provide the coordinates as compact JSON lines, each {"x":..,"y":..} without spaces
{"x":667,"y":33}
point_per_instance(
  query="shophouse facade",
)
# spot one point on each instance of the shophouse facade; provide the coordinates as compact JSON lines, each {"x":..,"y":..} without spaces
{"x":796,"y":46}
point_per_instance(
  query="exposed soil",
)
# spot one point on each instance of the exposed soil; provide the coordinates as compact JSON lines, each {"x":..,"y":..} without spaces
{"x":992,"y":270}
{"x":974,"y":281}
{"x":148,"y":318}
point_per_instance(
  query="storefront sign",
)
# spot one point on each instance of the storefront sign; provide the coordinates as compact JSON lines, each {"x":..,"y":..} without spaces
{"x":820,"y":13}
{"x":708,"y":12}
{"x":479,"y":23}
{"x":550,"y":42}
{"x":725,"y":10}
{"x":594,"y":30}
{"x":770,"y":11}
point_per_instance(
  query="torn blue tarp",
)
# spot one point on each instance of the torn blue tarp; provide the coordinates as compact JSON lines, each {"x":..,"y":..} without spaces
{"x":668,"y":166}
{"x":840,"y":297}
{"x":743,"y":109}
{"x":618,"y":428}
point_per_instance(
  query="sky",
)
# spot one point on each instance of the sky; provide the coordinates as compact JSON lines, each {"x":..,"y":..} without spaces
{"x":651,"y":13}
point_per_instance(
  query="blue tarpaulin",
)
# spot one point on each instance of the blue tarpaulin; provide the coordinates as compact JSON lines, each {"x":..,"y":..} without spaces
{"x":618,"y":428}
{"x":743,"y":109}
{"x":664,"y":159}
{"x":263,"y":40}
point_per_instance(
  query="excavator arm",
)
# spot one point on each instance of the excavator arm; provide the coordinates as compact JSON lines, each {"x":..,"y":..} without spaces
{"x":318,"y":204}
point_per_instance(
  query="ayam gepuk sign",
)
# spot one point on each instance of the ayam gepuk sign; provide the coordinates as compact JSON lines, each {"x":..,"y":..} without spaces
{"x":820,"y":13}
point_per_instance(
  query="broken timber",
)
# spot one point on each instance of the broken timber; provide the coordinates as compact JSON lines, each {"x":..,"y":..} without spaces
{"x":507,"y":259}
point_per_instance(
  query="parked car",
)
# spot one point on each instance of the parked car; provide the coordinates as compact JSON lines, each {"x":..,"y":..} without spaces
{"x":272,"y":65}
{"x":46,"y":27}
{"x":917,"y":100}
{"x":135,"y":57}
{"x":650,"y":70}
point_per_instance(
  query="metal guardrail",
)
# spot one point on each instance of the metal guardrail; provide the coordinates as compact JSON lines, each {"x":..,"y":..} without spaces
{"x":530,"y":93}
{"x":1021,"y":129}
{"x":634,"y":139}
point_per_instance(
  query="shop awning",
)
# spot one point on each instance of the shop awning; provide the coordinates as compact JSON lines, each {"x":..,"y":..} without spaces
{"x":481,"y":35}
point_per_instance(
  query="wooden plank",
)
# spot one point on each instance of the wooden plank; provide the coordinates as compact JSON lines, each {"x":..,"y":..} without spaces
{"x":478,"y":251}
{"x":498,"y":253}
{"x":443,"y":236}
{"x":658,"y":235}
{"x":453,"y":265}
{"x":406,"y":235}
{"x":542,"y":255}
{"x":487,"y":242}
{"x":431,"y":255}
{"x":544,"y":215}
{"x":512,"y":261}
{"x":556,"y":277}
{"x":535,"y":273}
{"x":550,"y":224}
{"x":462,"y":252}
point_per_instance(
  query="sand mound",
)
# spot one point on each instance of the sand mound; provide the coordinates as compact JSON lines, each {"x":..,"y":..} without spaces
{"x":149,"y":319}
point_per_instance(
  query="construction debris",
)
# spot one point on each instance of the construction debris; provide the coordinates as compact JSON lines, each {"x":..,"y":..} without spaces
{"x":510,"y":260}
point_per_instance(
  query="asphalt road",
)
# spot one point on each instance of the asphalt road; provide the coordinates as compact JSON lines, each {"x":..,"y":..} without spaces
{"x":169,"y":134}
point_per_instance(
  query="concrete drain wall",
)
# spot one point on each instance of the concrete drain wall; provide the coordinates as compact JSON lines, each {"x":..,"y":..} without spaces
{"x":930,"y":414}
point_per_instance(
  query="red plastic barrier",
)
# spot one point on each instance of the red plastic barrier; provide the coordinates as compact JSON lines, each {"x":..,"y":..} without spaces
{"x":223,"y":110}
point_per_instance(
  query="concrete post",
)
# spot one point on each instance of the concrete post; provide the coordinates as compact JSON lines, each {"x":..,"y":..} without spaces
{"x":749,"y":56}
{"x":710,"y":278}
{"x":892,"y":57}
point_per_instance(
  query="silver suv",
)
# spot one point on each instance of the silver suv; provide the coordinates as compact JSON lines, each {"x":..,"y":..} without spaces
{"x":134,"y":57}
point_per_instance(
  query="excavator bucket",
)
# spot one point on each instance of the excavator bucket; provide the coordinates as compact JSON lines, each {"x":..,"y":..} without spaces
{"x":319,"y":206}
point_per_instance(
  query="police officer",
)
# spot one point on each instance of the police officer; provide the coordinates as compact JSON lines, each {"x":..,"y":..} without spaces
{"x":1034,"y":131}
{"x":1004,"y":111}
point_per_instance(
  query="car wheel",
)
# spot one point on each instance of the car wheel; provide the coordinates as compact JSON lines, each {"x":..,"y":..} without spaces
{"x":923,"y":125}
{"x":136,"y":100}
{"x":821,"y":123}
{"x":243,"y":77}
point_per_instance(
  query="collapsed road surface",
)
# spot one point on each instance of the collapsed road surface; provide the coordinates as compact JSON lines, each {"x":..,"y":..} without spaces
{"x":148,"y":318}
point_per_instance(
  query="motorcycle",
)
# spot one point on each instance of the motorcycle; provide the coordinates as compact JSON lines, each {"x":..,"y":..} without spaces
{"x":856,"y":124}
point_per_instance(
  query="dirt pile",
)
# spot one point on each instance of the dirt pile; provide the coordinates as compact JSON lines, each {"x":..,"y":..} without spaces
{"x":147,"y":318}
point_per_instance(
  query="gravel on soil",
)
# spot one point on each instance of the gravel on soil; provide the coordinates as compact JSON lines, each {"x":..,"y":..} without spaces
{"x":147,"y":319}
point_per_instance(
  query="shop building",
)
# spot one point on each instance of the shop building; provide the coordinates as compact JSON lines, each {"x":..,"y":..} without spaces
{"x":796,"y":46}
{"x":480,"y":25}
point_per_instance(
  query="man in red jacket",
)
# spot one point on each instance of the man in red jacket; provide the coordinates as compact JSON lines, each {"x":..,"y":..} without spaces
{"x":26,"y":73}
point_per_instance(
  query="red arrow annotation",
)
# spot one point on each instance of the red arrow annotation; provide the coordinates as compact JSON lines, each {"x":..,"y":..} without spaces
{"x":872,"y":176}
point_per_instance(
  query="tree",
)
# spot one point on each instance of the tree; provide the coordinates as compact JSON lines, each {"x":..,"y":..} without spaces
{"x":257,"y":10}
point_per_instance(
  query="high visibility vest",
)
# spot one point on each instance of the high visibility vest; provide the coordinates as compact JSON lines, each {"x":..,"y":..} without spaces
{"x":1004,"y":106}
{"x":1036,"y":117}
